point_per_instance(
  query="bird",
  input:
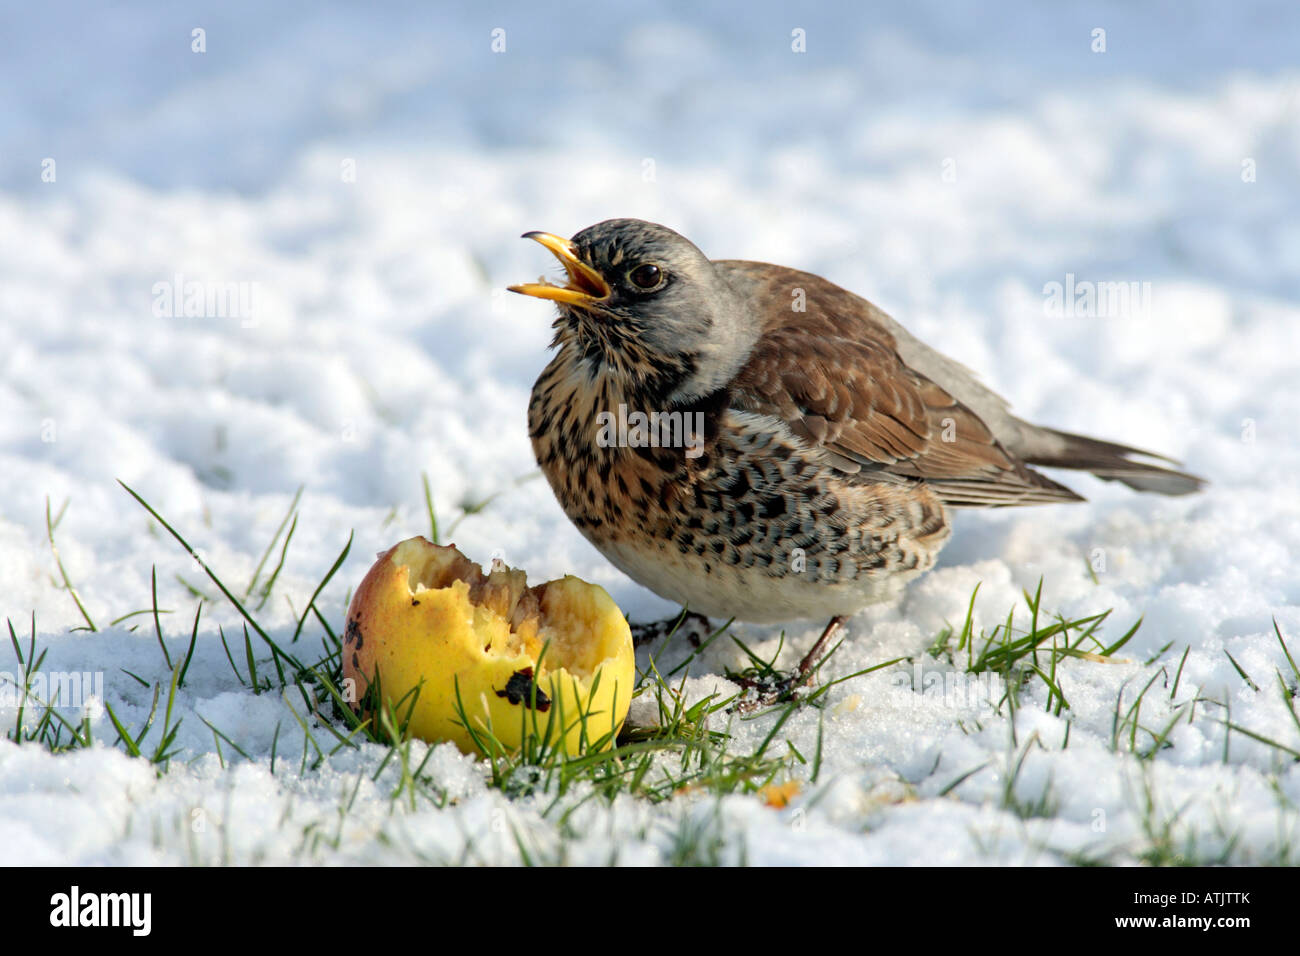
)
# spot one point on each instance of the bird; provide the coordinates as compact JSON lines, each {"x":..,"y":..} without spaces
{"x":753,"y":442}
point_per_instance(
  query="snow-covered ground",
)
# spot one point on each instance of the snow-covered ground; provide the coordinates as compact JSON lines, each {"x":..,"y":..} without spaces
{"x":360,"y":174}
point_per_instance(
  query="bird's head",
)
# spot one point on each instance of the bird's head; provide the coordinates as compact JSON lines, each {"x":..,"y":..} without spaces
{"x":642,"y":307}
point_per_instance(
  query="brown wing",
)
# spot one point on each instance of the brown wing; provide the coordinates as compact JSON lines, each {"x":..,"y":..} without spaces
{"x":835,"y":378}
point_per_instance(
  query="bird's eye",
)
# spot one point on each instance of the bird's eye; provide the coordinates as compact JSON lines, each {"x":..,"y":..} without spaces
{"x":646,"y":276}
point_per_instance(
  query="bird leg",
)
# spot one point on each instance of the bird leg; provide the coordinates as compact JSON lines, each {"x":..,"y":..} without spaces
{"x":813,"y":658}
{"x":689,"y":624}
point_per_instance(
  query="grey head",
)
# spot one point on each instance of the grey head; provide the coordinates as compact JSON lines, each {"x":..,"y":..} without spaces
{"x":645,"y":307}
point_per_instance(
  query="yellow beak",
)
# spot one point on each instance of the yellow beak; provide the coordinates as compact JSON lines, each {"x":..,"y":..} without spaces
{"x":586,"y":286}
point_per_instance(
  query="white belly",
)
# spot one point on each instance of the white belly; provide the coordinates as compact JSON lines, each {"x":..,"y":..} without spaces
{"x":747,"y":594}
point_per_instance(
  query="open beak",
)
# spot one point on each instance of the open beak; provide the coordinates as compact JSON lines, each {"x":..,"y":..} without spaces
{"x":585,"y":287}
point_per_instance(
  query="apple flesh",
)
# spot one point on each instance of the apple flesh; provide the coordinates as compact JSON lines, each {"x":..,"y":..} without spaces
{"x":554,"y":660}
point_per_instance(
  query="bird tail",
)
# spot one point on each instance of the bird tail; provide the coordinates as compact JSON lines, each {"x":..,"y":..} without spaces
{"x":1107,"y":460}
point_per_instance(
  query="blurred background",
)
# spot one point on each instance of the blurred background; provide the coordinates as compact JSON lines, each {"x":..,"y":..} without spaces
{"x":361,"y":175}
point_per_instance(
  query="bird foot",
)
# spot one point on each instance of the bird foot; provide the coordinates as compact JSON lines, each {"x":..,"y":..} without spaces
{"x":787,"y":688}
{"x":694,"y":627}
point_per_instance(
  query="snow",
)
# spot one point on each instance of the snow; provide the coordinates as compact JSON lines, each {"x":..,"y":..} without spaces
{"x":946,"y":161}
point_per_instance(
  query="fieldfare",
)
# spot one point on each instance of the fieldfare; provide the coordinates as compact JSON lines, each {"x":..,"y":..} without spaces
{"x":754,"y":442}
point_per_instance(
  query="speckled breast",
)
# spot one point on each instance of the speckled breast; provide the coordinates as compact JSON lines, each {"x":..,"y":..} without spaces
{"x":742,"y":519}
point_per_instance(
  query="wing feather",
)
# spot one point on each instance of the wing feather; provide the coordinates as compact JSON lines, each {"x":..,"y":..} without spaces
{"x":836,"y":379}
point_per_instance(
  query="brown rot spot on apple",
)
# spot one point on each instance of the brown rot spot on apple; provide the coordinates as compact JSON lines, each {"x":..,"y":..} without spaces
{"x":519,"y":690}
{"x":353,"y":633}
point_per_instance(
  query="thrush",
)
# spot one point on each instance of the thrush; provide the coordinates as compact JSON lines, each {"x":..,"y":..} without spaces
{"x":754,"y":442}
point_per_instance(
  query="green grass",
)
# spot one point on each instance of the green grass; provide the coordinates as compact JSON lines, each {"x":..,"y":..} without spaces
{"x":690,"y":753}
{"x":50,"y":726}
{"x":50,"y":525}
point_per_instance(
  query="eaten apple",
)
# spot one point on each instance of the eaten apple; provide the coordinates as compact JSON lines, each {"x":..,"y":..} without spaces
{"x":554,"y":661}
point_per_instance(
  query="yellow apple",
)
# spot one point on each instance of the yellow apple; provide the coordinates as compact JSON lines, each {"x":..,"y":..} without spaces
{"x":555,"y":660}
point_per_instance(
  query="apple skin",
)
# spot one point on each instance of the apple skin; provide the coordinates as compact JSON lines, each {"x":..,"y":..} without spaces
{"x":438,"y":639}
